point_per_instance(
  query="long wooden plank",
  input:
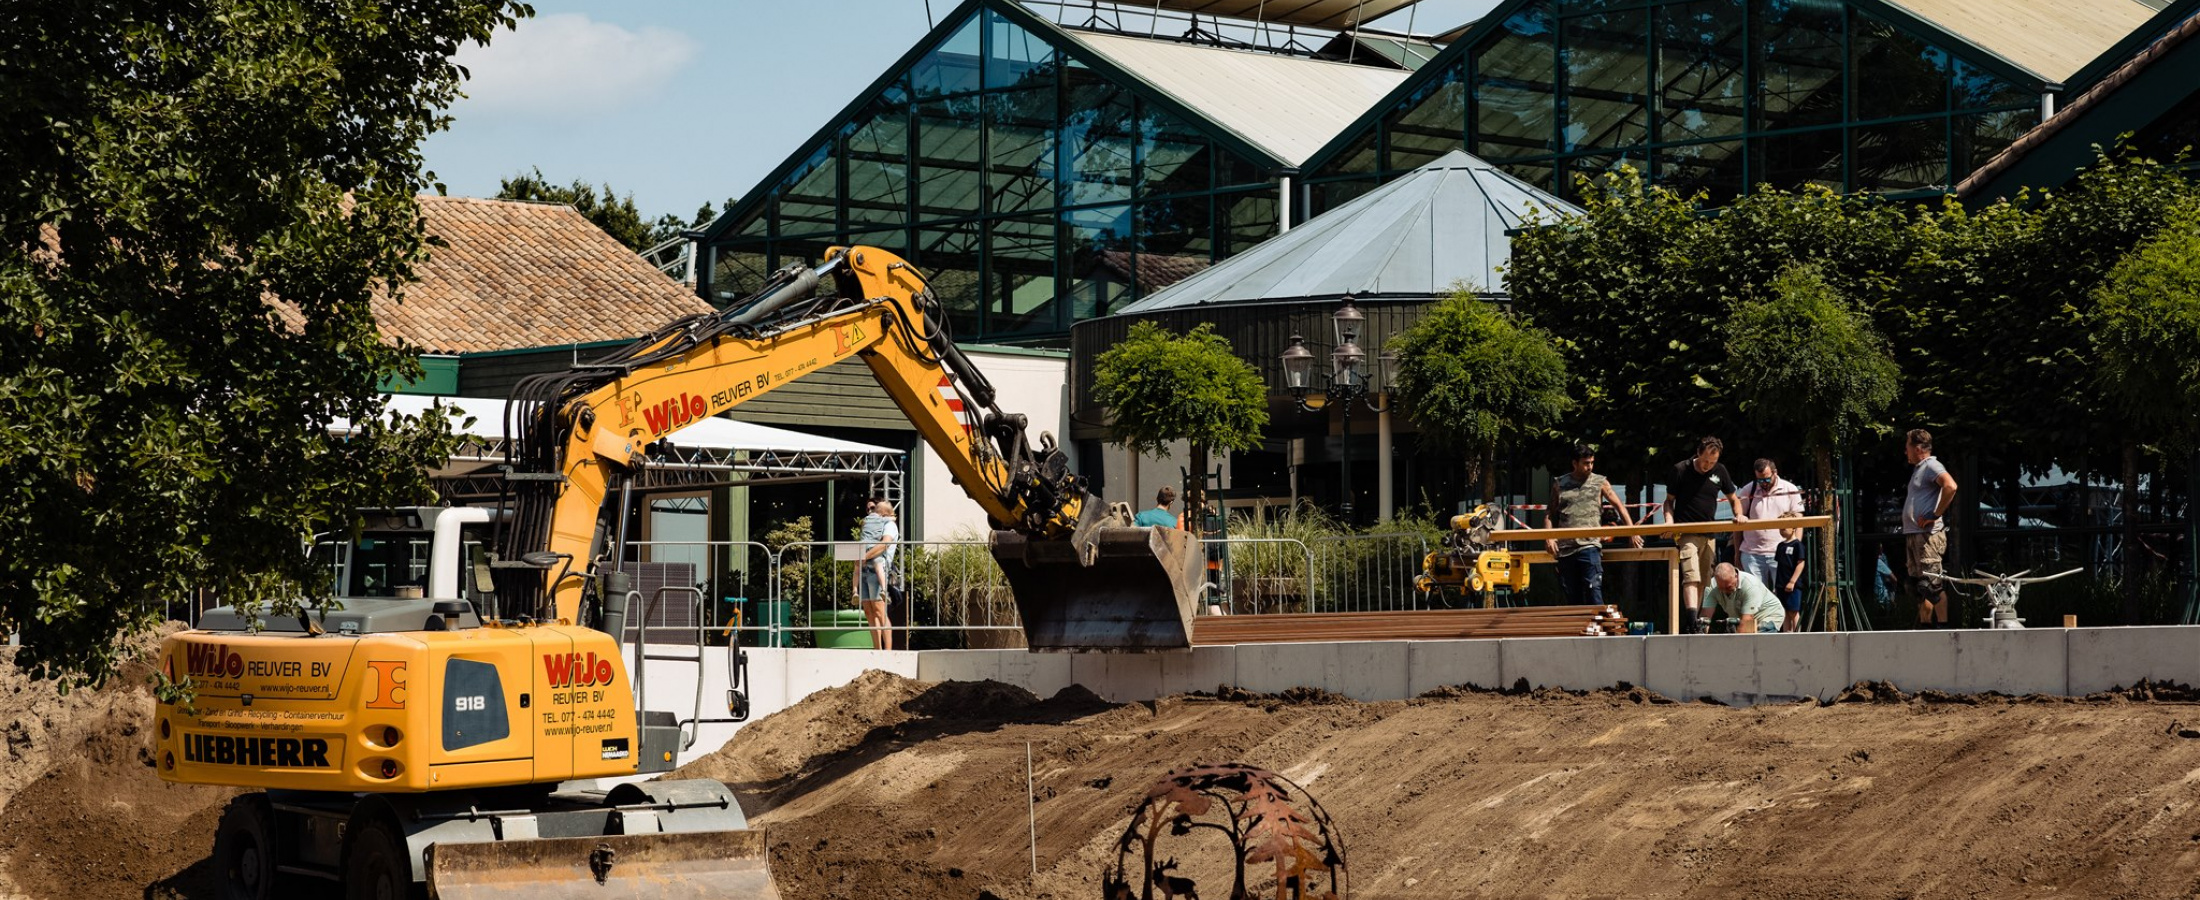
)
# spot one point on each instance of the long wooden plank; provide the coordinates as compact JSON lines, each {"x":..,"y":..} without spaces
{"x":1531,"y":621}
{"x":1719,"y":527}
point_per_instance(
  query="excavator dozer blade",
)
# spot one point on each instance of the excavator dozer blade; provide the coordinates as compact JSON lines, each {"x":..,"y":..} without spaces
{"x":1106,"y":588}
{"x":728,"y":864}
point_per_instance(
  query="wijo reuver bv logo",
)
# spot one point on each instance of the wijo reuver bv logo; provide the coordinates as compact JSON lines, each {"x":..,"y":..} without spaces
{"x":576,"y":669}
{"x":213,"y":661}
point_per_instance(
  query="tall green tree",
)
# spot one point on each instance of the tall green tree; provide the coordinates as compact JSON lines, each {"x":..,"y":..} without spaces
{"x":204,"y":198}
{"x":1471,"y":377}
{"x":1610,"y":285}
{"x":1801,"y":359}
{"x":2146,"y":346}
{"x":1160,"y":388}
{"x":615,"y":214}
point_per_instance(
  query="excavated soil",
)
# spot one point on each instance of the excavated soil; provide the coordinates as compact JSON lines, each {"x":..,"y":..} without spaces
{"x":86,"y":816}
{"x":889,"y":788}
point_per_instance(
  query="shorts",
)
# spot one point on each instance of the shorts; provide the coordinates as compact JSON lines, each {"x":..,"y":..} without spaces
{"x":1922,"y":553}
{"x":869,"y":588}
{"x":1699,"y":552}
{"x":1792,"y":601}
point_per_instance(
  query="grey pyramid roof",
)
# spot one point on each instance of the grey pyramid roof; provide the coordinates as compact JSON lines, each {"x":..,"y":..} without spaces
{"x":1438,"y":225}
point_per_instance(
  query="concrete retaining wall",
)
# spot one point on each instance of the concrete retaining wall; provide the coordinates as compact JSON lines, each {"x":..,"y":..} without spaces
{"x":1739,"y":670}
{"x":1736,"y":669}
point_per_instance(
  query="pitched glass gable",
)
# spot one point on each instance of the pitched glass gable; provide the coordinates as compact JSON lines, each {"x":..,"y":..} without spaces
{"x":1710,"y":95}
{"x":1034,"y":187}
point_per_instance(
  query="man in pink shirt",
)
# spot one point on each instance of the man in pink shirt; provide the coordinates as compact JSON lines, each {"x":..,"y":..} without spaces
{"x":1765,"y":498}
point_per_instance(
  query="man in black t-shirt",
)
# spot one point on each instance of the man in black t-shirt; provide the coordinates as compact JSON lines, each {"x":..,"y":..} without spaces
{"x":1692,"y":494}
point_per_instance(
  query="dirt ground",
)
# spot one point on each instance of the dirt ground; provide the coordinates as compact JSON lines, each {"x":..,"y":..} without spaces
{"x":890,"y":788}
{"x":86,"y":816}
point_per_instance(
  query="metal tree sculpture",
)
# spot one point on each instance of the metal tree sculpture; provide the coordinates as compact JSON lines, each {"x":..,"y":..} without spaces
{"x":2001,"y":591}
{"x":1253,"y":808}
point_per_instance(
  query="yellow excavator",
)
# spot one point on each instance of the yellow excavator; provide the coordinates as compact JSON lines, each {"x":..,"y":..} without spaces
{"x":441,"y":728}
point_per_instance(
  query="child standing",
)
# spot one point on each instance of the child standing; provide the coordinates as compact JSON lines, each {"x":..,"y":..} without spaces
{"x":1788,"y":573}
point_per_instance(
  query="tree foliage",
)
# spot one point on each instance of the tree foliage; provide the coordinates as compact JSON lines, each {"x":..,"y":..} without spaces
{"x":1801,"y":359}
{"x":1472,"y":376}
{"x":1985,"y":309}
{"x":1162,"y":388}
{"x":615,"y":214}
{"x":2147,"y":338}
{"x":1607,"y":285}
{"x":204,"y":199}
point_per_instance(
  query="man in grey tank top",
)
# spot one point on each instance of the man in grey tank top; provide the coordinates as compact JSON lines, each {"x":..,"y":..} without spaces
{"x":1577,"y":501}
{"x":1924,"y":534}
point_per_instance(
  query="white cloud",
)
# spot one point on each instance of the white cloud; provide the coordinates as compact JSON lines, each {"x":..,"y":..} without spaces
{"x":567,"y":63}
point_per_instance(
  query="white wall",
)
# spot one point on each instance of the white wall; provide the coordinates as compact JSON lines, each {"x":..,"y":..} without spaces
{"x":1036,"y":386}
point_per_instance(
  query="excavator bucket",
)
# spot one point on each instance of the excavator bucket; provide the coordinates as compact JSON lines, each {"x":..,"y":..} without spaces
{"x":1106,"y":588}
{"x":728,"y":864}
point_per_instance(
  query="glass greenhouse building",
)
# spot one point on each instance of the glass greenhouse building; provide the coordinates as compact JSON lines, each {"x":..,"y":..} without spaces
{"x":1047,"y":173}
{"x":1042,"y":176}
{"x":1718,"y":96}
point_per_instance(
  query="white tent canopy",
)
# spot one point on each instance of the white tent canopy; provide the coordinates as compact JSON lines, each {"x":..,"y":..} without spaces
{"x":707,"y":452}
{"x":711,"y":433}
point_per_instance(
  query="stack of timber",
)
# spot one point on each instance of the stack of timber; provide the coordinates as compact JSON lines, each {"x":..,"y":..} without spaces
{"x":1410,"y":625}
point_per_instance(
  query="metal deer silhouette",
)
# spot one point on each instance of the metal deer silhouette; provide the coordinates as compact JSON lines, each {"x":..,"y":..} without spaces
{"x":2001,"y":591}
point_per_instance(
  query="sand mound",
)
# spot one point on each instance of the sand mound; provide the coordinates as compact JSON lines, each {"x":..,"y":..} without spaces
{"x":891,"y":788}
{"x":88,"y":818}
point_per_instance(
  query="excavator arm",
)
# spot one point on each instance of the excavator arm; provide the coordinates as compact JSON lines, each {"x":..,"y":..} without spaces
{"x":1082,"y":580}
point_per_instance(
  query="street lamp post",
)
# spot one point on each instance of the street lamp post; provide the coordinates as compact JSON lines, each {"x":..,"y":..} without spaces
{"x":1346,"y":383}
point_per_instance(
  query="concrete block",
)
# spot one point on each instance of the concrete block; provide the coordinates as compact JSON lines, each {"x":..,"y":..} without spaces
{"x":1367,"y":671}
{"x":1373,"y":670}
{"x":1583,"y":663}
{"x":2105,"y":658}
{"x":2013,"y":661}
{"x":1202,"y":669}
{"x":767,"y":681}
{"x":1746,"y":669}
{"x":1434,"y":664}
{"x":810,"y":671}
{"x":1118,"y":677}
{"x":1912,"y":660}
{"x":959,"y":665}
{"x":1795,"y":666}
{"x":1044,"y":674}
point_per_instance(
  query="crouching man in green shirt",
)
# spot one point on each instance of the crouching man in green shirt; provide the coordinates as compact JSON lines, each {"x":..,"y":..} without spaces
{"x":1735,"y":593}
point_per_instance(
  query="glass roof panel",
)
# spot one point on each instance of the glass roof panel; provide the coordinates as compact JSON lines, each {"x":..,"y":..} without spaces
{"x":954,"y":66}
{"x":1515,"y":92}
{"x":1015,"y":57}
{"x":1700,"y":69}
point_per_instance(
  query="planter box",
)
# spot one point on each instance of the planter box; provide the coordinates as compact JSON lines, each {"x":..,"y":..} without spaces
{"x":841,"y":629}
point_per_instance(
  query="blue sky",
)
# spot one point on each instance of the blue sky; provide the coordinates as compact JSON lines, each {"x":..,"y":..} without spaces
{"x":683,"y":102}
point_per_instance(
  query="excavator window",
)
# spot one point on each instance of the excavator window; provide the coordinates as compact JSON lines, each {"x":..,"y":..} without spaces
{"x":389,"y":564}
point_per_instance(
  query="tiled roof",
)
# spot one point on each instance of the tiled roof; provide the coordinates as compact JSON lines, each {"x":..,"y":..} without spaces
{"x":517,"y":274}
{"x":1155,"y":270}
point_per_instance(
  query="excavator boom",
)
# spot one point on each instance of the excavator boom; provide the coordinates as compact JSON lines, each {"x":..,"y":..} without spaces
{"x":445,"y":725}
{"x":1082,"y":579}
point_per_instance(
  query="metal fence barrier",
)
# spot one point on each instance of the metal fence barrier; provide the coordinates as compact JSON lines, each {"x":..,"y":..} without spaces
{"x":1368,"y":572}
